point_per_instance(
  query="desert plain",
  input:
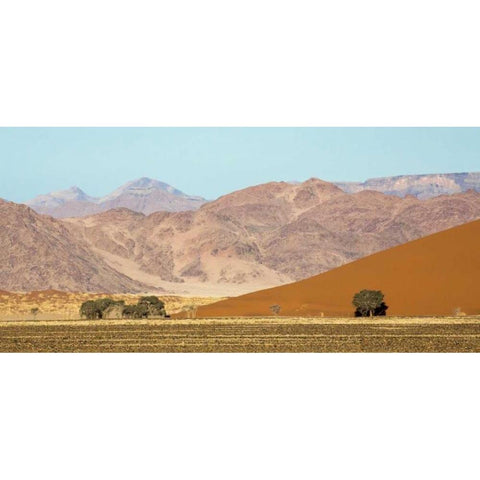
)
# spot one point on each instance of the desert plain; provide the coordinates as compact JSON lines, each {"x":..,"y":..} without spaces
{"x":242,"y":335}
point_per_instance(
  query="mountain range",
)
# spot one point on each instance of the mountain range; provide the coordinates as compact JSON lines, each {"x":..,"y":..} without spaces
{"x":258,"y":237}
{"x":146,"y":195}
{"x":143,"y":195}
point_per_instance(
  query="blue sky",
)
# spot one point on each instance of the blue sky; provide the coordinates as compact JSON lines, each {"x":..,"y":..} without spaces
{"x":214,"y":161}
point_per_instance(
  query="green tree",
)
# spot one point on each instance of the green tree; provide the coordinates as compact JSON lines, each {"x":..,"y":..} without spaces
{"x":95,"y":309}
{"x":153,"y":305}
{"x":142,"y":310}
{"x":135,"y":311}
{"x":369,"y":303}
{"x":104,"y":303}
{"x":90,"y":310}
{"x":34,"y":311}
{"x":129,"y":311}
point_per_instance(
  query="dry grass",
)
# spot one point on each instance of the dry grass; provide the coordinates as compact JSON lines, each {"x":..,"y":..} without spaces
{"x":54,"y":304}
{"x":244,"y":335}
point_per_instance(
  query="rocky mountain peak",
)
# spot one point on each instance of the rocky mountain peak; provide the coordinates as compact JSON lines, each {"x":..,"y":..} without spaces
{"x":144,"y":195}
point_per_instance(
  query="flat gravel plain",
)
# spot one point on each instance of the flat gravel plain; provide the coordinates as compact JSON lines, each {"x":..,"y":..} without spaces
{"x":244,"y":335}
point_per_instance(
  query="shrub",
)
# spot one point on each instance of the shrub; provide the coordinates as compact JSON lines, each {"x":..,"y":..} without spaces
{"x":275,"y":309}
{"x":191,"y":310}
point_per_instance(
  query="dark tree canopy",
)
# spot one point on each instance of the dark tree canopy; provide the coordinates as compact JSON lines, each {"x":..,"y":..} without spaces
{"x":94,"y":309}
{"x":135,"y":311}
{"x":369,"y":303}
{"x":146,"y":306}
{"x":152,"y":305}
{"x":90,"y":310}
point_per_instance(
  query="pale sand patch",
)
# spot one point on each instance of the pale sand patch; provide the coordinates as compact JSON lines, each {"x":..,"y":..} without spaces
{"x":199,"y":289}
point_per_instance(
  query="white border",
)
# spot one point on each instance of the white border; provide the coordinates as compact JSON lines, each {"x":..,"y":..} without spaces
{"x":254,"y":63}
{"x":220,"y":416}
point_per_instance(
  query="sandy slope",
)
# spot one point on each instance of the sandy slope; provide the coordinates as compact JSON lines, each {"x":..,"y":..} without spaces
{"x":430,"y":276}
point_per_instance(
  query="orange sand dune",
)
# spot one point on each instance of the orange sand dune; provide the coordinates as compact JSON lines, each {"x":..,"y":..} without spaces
{"x":430,"y":276}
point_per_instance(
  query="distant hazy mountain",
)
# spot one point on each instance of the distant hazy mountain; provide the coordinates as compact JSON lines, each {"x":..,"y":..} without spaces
{"x":143,"y":195}
{"x":420,"y":186}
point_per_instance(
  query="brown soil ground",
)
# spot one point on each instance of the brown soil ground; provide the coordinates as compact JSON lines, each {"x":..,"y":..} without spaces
{"x":244,"y":335}
{"x":431,"y":276}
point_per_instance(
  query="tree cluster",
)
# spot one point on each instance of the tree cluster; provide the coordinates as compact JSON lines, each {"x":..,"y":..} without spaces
{"x":150,"y":306}
{"x":95,"y":309}
{"x":146,"y":307}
